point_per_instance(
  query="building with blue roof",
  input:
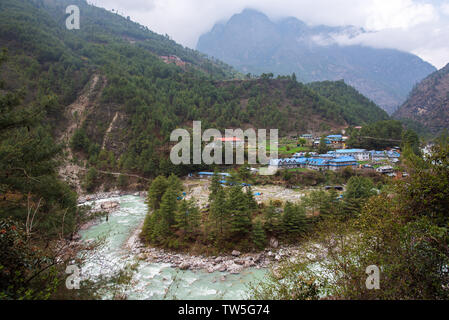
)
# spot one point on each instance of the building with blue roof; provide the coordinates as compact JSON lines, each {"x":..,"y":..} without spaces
{"x":358,"y":154}
{"x":342,"y":162}
{"x":210,"y":174}
{"x":317,"y":164}
{"x":320,"y":163}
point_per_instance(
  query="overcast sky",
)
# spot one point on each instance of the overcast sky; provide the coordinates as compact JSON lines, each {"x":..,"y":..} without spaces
{"x":417,"y":26}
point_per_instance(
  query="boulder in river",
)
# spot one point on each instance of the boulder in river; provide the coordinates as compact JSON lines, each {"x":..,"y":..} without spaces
{"x":234,"y":269}
{"x":184,"y":266}
{"x":110,"y":205}
{"x":236,"y":253}
{"x":221,"y":268}
{"x":274,"y":243}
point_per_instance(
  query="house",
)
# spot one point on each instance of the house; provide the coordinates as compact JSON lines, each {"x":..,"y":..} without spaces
{"x":299,"y":155}
{"x":290,"y":163}
{"x":317,"y":164}
{"x":335,"y":139}
{"x":358,"y":154}
{"x":378,"y":155}
{"x":341,"y":163}
{"x":307,"y":136}
{"x":393,"y":154}
{"x":318,"y":141}
{"x":385,"y":169}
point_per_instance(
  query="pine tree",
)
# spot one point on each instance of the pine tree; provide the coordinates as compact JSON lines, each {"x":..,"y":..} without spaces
{"x":271,"y":219}
{"x":244,"y":173}
{"x":175,"y":184}
{"x":294,"y":219}
{"x":215,"y":187}
{"x":187,"y":217}
{"x":156,"y":192}
{"x":161,"y":228}
{"x":323,"y":148}
{"x":259,"y":238}
{"x":240,"y":215}
{"x":194,"y":218}
{"x":169,"y":206}
{"x":182,"y":217}
{"x":252,"y":204}
{"x":219,"y":213}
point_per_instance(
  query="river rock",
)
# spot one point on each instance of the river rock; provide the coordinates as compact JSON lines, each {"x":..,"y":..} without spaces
{"x":274,"y":243}
{"x":236,"y":253}
{"x":110,"y":205}
{"x":234,"y":269}
{"x":142,"y":256}
{"x":184,"y":266}
{"x":210,"y":269}
{"x":120,"y":296}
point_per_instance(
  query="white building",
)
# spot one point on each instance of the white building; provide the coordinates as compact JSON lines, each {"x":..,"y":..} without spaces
{"x":358,"y":154}
{"x":385,"y":169}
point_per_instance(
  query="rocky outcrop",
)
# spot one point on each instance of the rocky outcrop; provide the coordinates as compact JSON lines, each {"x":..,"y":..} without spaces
{"x":428,"y":103}
{"x":110,"y":206}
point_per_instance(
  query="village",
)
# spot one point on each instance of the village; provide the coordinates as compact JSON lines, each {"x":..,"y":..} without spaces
{"x":382,"y":161}
{"x":298,"y":154}
{"x":306,"y":155}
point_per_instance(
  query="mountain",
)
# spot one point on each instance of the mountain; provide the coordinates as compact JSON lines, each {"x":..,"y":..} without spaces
{"x":350,"y":99}
{"x":111,"y":94}
{"x":252,"y":43}
{"x":428,"y":103}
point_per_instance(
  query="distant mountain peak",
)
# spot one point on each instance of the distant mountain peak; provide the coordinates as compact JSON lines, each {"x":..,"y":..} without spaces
{"x":251,"y":42}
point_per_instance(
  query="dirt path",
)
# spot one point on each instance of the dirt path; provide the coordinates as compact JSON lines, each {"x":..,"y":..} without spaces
{"x":111,"y":125}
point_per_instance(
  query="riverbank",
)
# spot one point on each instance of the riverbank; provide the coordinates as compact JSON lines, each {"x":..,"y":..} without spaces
{"x":233,"y":263}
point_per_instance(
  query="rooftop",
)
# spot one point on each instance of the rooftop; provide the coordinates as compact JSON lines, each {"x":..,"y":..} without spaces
{"x":350,"y":150}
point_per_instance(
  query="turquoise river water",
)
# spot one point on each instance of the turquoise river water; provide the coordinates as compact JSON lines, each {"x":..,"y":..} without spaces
{"x":154,"y":280}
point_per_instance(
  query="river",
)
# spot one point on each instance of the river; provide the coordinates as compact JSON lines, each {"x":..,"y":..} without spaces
{"x":153,"y":280}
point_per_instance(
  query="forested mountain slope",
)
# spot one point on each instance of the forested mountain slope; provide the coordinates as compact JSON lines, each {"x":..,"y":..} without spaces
{"x":253,"y":43}
{"x":428,"y":103}
{"x":350,"y":99}
{"x":107,"y":83}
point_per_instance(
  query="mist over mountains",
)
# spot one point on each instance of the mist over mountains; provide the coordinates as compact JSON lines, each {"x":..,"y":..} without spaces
{"x":252,"y":43}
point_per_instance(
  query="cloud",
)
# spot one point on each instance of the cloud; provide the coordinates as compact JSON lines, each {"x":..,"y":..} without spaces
{"x":402,"y":14}
{"x":417,"y":26}
{"x":445,"y":8}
